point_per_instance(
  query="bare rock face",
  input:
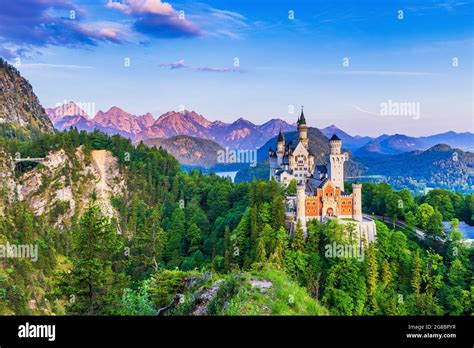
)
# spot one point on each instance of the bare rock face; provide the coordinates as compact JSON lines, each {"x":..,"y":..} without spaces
{"x":19,"y":106}
{"x":109,"y":181}
{"x":116,"y":118}
{"x":63,"y":185}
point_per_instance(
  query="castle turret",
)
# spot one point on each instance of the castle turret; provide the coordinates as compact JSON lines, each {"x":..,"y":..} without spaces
{"x":303,"y":130}
{"x":336,"y":145}
{"x":336,"y":162}
{"x":300,"y":205}
{"x":357,"y":202}
{"x":280,"y":148}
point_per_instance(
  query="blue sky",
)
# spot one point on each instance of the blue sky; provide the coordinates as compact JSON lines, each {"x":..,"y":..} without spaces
{"x":289,"y":53}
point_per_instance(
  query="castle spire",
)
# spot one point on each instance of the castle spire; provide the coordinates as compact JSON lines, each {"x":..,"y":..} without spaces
{"x":301,"y":119}
{"x":280,"y":136}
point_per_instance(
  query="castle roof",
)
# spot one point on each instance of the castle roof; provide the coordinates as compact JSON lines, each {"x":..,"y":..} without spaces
{"x":321,"y":168}
{"x":281,"y":171}
{"x":280,"y":136}
{"x":334,"y":138}
{"x":301,"y":119}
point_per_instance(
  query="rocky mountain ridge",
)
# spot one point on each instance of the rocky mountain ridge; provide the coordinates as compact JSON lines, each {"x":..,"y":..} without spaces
{"x":239,"y":134}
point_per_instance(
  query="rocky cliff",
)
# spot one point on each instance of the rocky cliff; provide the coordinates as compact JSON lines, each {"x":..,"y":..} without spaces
{"x":21,"y":113}
{"x":64,"y":183}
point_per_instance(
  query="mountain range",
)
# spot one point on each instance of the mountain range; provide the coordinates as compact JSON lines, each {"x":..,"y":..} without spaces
{"x":399,"y":143}
{"x":241,"y":134}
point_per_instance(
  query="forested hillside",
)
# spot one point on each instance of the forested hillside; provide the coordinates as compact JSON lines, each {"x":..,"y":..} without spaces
{"x":197,"y":244}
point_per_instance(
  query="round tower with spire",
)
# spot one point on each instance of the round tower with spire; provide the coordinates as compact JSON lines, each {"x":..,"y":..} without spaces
{"x":302,"y":129}
{"x":280,"y":148}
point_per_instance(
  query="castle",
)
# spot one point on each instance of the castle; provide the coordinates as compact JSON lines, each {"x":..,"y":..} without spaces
{"x":320,"y":187}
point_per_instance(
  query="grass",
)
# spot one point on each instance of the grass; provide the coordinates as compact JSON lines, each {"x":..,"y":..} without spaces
{"x":285,"y":297}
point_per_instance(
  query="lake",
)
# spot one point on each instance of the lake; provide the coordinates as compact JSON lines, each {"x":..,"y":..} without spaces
{"x":466,"y":230}
{"x":230,"y":175}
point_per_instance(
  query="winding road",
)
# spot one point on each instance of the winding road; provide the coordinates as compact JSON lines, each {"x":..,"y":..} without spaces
{"x":399,"y":223}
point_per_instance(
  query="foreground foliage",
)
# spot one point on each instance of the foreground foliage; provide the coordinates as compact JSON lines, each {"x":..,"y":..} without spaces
{"x":199,"y":244}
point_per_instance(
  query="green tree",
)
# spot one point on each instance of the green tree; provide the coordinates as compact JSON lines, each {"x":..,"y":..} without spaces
{"x":174,"y":250}
{"x":434,"y":227}
{"x":372,"y":277}
{"x":423,"y":215}
{"x":193,"y":238}
{"x":92,"y":284}
{"x":291,"y":189}
{"x":416,"y":273}
{"x":298,"y":241}
{"x":281,"y":243}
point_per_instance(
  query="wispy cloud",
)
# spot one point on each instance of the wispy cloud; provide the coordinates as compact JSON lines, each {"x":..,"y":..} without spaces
{"x":218,"y":23}
{"x":218,"y":69}
{"x":174,"y":65}
{"x":54,"y":66}
{"x":448,"y":5}
{"x":378,"y":73}
{"x":364,"y":111}
{"x":180,"y":64}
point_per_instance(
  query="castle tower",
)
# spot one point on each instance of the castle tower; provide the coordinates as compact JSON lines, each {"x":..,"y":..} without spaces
{"x":280,"y":148}
{"x":300,"y":205}
{"x":357,"y":202}
{"x":303,"y":130}
{"x":336,"y":162}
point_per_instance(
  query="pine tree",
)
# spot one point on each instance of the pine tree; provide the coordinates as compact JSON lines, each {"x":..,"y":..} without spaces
{"x":193,"y":238}
{"x":261,"y":254}
{"x":278,"y":213}
{"x":386,"y":274}
{"x":372,"y":277}
{"x":314,"y":230}
{"x":281,"y":242}
{"x":92,"y":284}
{"x":416,"y":273}
{"x":298,"y":241}
{"x":174,"y":249}
{"x":227,"y":249}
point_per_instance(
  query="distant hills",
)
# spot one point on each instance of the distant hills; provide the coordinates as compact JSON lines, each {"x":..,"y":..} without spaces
{"x":399,"y":143}
{"x":189,"y":150}
{"x":350,"y":142}
{"x":439,"y":166}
